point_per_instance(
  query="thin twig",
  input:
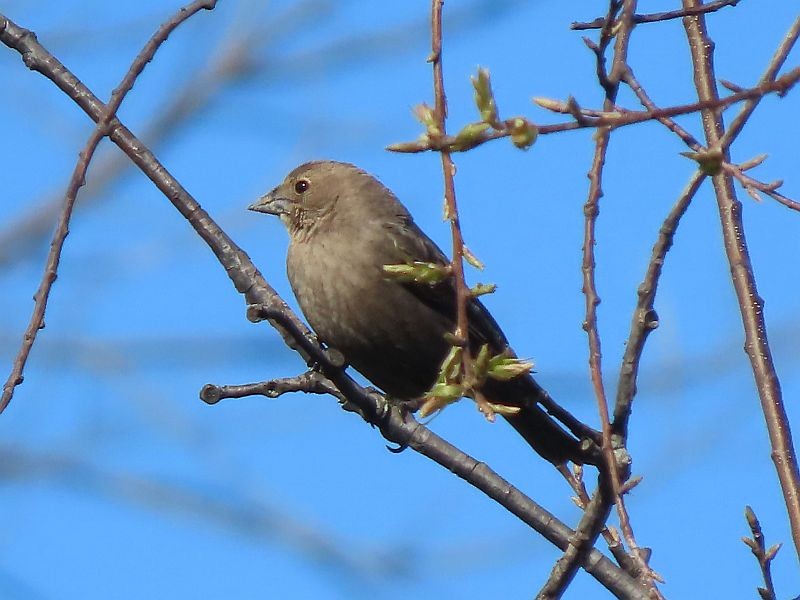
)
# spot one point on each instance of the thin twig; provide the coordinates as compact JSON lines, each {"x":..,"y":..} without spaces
{"x":76,"y":181}
{"x":645,"y":318}
{"x":461,"y":333}
{"x":612,"y":117}
{"x":610,"y":535}
{"x":751,"y":185}
{"x":599,"y":22}
{"x":612,"y":446}
{"x":770,"y":75}
{"x":310,"y":382}
{"x":592,"y":523}
{"x":608,"y":491}
{"x":751,"y":305}
{"x":764,"y":555}
{"x":664,"y":119}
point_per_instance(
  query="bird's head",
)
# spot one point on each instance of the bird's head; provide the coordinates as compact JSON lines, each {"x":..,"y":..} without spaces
{"x":316,"y":193}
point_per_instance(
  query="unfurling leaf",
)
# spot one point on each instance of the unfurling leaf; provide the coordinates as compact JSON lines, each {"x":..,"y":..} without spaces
{"x":426,"y":115}
{"x":484,"y":97}
{"x":470,"y":136}
{"x":471,"y":258}
{"x":418,"y":272}
{"x":439,"y":396}
{"x":504,"y":368}
{"x":450,"y":371}
{"x":482,"y":289}
{"x":481,"y":365}
{"x":504,"y":409}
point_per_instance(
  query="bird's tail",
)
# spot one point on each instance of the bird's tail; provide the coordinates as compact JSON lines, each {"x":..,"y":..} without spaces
{"x":539,"y":422}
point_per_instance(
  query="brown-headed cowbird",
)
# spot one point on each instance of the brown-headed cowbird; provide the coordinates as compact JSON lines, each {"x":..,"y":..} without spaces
{"x":344,"y":226}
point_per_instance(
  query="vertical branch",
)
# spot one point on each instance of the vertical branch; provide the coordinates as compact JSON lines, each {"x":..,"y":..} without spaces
{"x":448,"y":170}
{"x":764,"y":555}
{"x":619,"y":29}
{"x":609,"y":486}
{"x":751,"y":305}
{"x":461,"y":334}
{"x":610,"y":82}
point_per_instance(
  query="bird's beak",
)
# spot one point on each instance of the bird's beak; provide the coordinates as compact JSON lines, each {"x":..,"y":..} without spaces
{"x":272,"y":204}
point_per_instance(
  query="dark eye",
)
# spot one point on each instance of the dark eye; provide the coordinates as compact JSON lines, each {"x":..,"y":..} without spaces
{"x":301,"y":185}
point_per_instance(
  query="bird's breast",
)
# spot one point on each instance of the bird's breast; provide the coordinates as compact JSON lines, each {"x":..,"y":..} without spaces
{"x":383,"y":330}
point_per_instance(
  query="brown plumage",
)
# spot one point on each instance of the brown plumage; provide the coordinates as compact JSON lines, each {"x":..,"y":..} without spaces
{"x":344,"y":226}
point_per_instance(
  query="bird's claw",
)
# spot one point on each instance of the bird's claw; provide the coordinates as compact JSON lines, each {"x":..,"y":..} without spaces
{"x":398,"y":449}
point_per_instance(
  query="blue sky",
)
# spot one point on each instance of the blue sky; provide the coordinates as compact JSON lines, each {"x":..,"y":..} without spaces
{"x":118,"y":482}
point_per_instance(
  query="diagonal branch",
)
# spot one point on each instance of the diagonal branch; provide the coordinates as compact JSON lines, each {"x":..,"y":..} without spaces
{"x":645,"y":318}
{"x":769,"y":76}
{"x":609,"y":490}
{"x":461,"y":333}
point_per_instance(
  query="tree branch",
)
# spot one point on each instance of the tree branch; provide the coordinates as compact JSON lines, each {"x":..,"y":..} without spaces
{"x":613,"y":116}
{"x":310,"y":382}
{"x":645,"y":318}
{"x":751,"y":305}
{"x":764,"y":555}
{"x":600,"y":22}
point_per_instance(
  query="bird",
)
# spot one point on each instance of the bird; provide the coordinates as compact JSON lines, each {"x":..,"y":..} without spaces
{"x":344,"y":227}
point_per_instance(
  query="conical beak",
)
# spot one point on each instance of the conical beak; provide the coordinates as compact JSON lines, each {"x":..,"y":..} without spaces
{"x":272,"y":204}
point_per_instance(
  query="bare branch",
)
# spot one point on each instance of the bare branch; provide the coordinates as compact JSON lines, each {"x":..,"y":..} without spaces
{"x":751,"y":305}
{"x":645,"y":318}
{"x":751,"y":185}
{"x":310,"y":382}
{"x":609,"y":486}
{"x":599,"y":22}
{"x":592,"y":522}
{"x":764,"y":555}
{"x":614,"y":451}
{"x":770,"y":75}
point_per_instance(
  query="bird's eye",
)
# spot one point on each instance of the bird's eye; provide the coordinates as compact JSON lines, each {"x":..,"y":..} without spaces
{"x":301,"y":185}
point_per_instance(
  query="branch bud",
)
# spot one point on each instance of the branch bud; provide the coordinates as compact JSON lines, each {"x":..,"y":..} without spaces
{"x":484,"y":97}
{"x":523,"y":132}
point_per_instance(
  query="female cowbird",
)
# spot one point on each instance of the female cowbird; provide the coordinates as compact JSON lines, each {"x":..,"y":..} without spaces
{"x":344,"y":226}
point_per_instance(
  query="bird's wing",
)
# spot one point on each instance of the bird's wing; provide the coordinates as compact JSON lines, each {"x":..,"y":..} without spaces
{"x":413,"y":245}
